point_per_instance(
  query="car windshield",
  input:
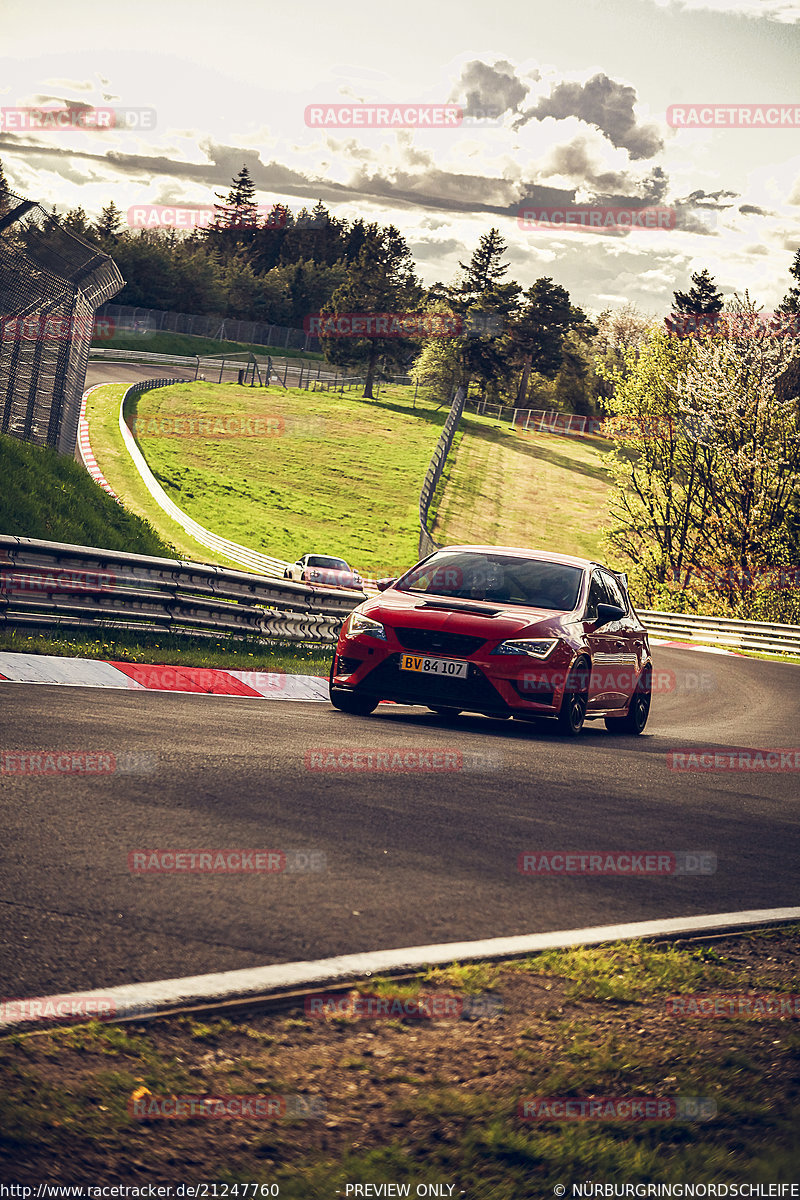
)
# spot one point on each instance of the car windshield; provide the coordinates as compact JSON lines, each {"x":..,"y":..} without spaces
{"x":497,"y":578}
{"x":331,"y":564}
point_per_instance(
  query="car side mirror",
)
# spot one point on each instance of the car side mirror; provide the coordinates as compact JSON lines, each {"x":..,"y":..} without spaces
{"x":383,"y":584}
{"x":606,"y":613}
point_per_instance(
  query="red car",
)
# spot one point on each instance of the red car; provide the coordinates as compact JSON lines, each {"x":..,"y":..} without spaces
{"x":499,"y":631}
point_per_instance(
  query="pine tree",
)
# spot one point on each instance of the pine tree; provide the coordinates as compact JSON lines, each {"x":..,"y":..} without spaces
{"x":239,"y":209}
{"x":484,"y":301}
{"x":110,"y":223}
{"x":380,"y":281}
{"x":76,"y":222}
{"x":703,"y":301}
{"x":485,"y":270}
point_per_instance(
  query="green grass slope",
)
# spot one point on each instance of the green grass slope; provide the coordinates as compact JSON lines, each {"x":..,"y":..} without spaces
{"x":332,"y":474}
{"x":539,"y":490}
{"x":48,"y":495}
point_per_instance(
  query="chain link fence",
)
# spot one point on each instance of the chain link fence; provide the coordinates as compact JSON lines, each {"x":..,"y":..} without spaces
{"x":51,"y":283}
{"x":426,"y":543}
{"x":128,"y":319}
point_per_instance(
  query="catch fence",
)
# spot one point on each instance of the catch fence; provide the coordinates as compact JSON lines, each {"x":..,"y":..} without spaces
{"x":51,"y":283}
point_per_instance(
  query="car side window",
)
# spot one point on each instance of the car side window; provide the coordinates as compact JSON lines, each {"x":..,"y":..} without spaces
{"x":614,"y":590}
{"x":597,"y":595}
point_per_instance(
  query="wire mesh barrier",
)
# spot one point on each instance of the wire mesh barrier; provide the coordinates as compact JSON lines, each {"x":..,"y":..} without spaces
{"x":128,"y":319}
{"x":538,"y":420}
{"x":51,"y":284}
{"x":426,"y":543}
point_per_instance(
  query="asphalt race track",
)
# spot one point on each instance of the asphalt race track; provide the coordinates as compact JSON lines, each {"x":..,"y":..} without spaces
{"x":99,"y":371}
{"x":410,"y":858}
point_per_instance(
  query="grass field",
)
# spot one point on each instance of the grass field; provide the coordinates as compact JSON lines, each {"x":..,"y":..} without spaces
{"x":539,"y":490}
{"x":48,"y":495}
{"x":420,"y":1101}
{"x":342,"y":475}
{"x":323,"y":472}
{"x":186,"y":343}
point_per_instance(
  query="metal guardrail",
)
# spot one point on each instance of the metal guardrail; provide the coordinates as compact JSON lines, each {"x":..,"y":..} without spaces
{"x":253,"y":559}
{"x":230,"y":363}
{"x":427,"y":544}
{"x":51,"y":584}
{"x":48,"y":584}
{"x":768,"y":637}
{"x":302,"y":373}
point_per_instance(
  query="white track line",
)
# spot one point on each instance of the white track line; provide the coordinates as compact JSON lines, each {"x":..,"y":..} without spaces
{"x":142,"y":999}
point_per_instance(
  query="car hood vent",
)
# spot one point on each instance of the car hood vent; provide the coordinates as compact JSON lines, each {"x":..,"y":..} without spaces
{"x":481,"y":610}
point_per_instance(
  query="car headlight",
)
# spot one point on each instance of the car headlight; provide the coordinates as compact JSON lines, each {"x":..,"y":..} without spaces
{"x":535,"y":647}
{"x":358,"y":623}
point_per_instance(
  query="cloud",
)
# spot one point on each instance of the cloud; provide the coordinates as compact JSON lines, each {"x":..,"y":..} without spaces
{"x":574,"y":161}
{"x":604,"y":103}
{"x":786,"y":12}
{"x":486,"y":91}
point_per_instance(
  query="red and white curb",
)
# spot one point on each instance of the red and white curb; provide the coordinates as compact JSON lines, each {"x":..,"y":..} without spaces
{"x":142,"y":1000}
{"x":691,"y":646}
{"x":209,"y":681}
{"x":85,"y":450}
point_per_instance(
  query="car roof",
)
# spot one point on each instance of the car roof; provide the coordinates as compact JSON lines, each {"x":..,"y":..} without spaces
{"x":545,"y":555}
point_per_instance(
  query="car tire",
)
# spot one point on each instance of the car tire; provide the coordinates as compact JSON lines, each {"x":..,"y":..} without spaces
{"x":350,"y":702}
{"x":638,"y":712}
{"x":572,"y":713}
{"x":443,"y":711}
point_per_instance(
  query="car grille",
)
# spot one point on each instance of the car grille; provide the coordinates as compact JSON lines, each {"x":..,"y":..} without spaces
{"x":438,"y":641}
{"x":474,"y":694}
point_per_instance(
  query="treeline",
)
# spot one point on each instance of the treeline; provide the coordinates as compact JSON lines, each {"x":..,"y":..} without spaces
{"x":531,"y":348}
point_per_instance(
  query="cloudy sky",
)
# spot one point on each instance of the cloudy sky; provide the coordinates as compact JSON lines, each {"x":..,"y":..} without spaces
{"x":565,"y":102}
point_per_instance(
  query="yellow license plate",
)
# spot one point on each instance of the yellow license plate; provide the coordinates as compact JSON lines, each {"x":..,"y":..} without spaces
{"x":444,"y":668}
